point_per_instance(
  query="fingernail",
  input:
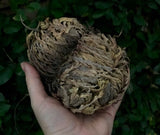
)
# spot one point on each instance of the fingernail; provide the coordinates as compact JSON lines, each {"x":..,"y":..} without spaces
{"x":22,"y":66}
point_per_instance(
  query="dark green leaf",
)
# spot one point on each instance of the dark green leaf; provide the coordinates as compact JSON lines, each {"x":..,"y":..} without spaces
{"x":22,"y":58}
{"x":55,"y":4}
{"x":17,"y":47}
{"x":1,"y":67}
{"x":141,"y":36}
{"x":153,"y":54}
{"x":39,"y":133}
{"x":109,"y":14}
{"x":34,"y":5}
{"x":98,"y":15}
{"x":116,"y":21}
{"x":157,"y":68}
{"x":14,"y":3}
{"x":11,"y":29}
{"x":20,"y":13}
{"x":153,"y":105}
{"x":5,"y":75}
{"x":157,"y":81}
{"x":134,"y":117}
{"x":4,"y":109}
{"x":82,"y":11}
{"x":57,"y":13}
{"x":152,"y":5}
{"x":141,"y":65}
{"x":103,"y":5}
{"x":139,"y":20}
{"x":2,"y":98}
{"x":152,"y":37}
{"x":158,"y":1}
{"x":125,"y":129}
{"x":19,"y":71}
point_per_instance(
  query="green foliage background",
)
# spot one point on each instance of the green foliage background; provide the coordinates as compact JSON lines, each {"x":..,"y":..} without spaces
{"x":139,"y":21}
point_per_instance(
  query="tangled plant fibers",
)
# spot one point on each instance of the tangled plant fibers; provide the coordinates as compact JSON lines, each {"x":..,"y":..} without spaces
{"x":86,"y":71}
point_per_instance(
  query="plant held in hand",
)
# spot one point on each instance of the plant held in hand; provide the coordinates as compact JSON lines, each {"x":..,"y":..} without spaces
{"x":85,"y":70}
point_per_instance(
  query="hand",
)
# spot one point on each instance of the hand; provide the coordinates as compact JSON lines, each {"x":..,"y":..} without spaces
{"x":55,"y":119}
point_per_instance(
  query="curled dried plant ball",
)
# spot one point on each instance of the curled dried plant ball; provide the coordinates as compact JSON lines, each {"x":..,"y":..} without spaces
{"x":94,"y":76}
{"x":83,"y":70}
{"x":50,"y":44}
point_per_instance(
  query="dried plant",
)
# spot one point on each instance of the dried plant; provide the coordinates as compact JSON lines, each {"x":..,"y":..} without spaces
{"x":86,"y":71}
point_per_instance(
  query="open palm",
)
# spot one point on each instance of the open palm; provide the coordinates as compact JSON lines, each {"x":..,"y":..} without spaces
{"x":54,"y":119}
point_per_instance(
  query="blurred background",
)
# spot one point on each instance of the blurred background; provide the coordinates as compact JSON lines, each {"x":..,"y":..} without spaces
{"x":139,"y":22}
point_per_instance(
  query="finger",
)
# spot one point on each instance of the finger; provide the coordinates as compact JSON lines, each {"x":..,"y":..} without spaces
{"x":34,"y":84}
{"x":112,"y":109}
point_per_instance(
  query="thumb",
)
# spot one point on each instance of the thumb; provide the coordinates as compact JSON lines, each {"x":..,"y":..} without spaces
{"x":34,"y":84}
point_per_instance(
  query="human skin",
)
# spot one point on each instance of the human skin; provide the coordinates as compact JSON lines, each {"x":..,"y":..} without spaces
{"x":55,"y":119}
